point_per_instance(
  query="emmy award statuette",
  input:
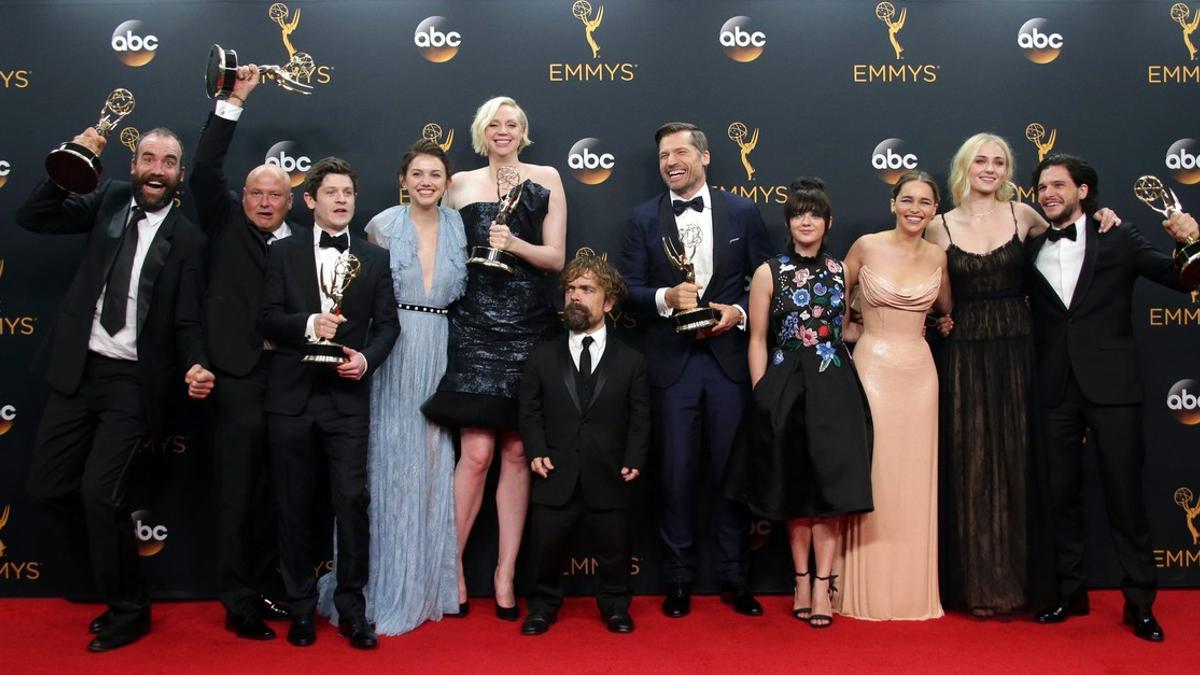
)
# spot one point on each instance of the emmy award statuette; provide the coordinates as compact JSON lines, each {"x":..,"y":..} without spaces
{"x":1151,"y":191}
{"x":76,"y":168}
{"x":344,"y":271}
{"x":508,"y":189}
{"x":221,"y":72}
{"x":696,"y":318}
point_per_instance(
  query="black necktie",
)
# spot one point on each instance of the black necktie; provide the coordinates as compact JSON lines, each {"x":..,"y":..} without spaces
{"x":679,"y":205}
{"x":583,"y":383}
{"x":1067,"y":232}
{"x":341,"y":242}
{"x":116,"y":291}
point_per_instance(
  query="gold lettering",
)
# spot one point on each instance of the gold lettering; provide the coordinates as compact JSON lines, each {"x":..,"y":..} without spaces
{"x":860,"y":73}
{"x":15,"y":78}
{"x":1156,"y":316}
{"x":556,"y":72}
{"x":627,"y":72}
{"x":575,"y":71}
{"x":16,"y":571}
{"x":1177,"y":74}
{"x":324,"y":74}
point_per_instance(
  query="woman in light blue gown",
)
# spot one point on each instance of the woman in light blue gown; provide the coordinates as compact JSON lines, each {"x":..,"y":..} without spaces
{"x":413,"y":570}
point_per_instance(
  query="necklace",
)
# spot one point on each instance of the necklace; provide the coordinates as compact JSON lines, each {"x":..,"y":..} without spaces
{"x":981,"y":215}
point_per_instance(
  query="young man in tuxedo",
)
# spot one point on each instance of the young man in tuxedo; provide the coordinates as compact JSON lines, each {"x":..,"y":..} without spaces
{"x":585,"y":420}
{"x":240,"y":230}
{"x":1087,"y":381}
{"x":317,"y":414}
{"x":129,"y":324}
{"x":699,"y":381}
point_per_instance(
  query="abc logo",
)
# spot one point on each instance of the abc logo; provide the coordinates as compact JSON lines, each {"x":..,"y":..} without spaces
{"x":132,"y":45}
{"x":5,"y":169}
{"x":890,"y":160}
{"x":760,"y":534}
{"x":151,"y":538}
{"x":434,"y":41}
{"x":1183,"y":161}
{"x":739,"y":42}
{"x":588,"y":165}
{"x":1184,"y":401}
{"x":8,"y":415}
{"x":1040,"y":45}
{"x":286,"y":156}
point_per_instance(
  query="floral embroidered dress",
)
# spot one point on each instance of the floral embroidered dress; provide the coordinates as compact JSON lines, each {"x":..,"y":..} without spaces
{"x":807,"y":450}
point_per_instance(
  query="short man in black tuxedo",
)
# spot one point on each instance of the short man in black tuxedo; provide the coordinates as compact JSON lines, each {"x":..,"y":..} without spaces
{"x":585,"y":420}
{"x":1080,"y":288}
{"x":699,"y":383}
{"x":129,"y":324}
{"x":239,"y":232}
{"x":317,"y":414}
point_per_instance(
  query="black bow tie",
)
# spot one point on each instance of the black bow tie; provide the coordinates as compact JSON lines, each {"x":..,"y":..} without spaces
{"x":679,"y":205}
{"x":1067,"y":232}
{"x":341,"y":242}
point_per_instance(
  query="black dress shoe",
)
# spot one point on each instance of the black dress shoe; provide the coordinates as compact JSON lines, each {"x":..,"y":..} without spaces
{"x":620,"y":622}
{"x":116,"y":633}
{"x":678,"y":601}
{"x":303,"y":631}
{"x":248,"y":626}
{"x":742,"y":600}
{"x":271,"y":610}
{"x":464,"y":608}
{"x":1075,"y":605}
{"x":508,"y":613}
{"x":99,"y":622}
{"x":1144,"y":624}
{"x":536,"y":624}
{"x":360,"y":632}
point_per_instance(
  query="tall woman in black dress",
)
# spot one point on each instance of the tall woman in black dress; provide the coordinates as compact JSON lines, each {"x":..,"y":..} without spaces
{"x":807,"y":454}
{"x":493,"y":328}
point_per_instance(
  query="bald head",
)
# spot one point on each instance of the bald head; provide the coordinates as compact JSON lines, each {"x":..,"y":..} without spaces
{"x":267,"y":196}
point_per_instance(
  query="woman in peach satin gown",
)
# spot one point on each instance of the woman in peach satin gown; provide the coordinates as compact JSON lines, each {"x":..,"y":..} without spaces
{"x":890,"y":568}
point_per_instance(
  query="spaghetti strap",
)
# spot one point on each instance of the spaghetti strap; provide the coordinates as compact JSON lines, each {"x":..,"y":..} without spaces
{"x":946,"y":227}
{"x":1013,"y":210}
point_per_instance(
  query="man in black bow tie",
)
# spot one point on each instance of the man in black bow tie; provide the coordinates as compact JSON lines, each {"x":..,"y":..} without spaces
{"x":699,"y":382}
{"x":1080,"y":289}
{"x":318,"y":414}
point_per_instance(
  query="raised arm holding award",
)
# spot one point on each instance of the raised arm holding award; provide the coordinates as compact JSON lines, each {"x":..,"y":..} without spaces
{"x":76,"y":167}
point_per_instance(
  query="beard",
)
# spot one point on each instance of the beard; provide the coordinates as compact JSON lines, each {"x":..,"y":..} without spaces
{"x":576,"y":317}
{"x":148,"y":204}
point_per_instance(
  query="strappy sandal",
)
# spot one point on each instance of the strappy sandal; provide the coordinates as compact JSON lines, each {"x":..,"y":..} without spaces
{"x":826,"y":618}
{"x":802,"y":613}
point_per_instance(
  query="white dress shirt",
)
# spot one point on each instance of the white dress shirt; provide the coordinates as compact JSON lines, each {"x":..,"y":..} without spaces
{"x":123,"y":345}
{"x":326,"y":261}
{"x":575,"y":346}
{"x":1060,"y":262}
{"x":227,"y":110}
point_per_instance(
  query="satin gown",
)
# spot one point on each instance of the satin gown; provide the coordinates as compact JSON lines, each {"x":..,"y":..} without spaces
{"x":891,"y":563}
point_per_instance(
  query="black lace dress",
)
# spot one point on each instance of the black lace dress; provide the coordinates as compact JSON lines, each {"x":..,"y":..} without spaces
{"x":494,"y":326}
{"x":806,"y":449}
{"x":984,"y":370}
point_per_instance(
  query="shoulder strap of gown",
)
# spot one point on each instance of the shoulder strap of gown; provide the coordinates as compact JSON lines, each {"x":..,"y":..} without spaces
{"x":946,"y":227}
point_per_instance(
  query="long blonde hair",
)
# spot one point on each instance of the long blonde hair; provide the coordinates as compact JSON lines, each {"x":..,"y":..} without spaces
{"x":960,"y":184}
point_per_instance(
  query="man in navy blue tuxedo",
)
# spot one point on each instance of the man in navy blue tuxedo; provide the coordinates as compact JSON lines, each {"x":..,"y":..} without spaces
{"x":699,"y":381}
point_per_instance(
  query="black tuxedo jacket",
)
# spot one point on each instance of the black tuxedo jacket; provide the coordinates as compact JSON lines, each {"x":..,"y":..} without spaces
{"x":292,"y":294}
{"x":1093,"y":336}
{"x":740,"y":245}
{"x":237,"y":256}
{"x":169,"y":337}
{"x":588,"y":443}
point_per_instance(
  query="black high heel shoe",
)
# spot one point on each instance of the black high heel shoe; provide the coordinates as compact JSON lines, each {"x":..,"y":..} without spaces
{"x":826,"y":618}
{"x":508,"y":613}
{"x":801,"y":613}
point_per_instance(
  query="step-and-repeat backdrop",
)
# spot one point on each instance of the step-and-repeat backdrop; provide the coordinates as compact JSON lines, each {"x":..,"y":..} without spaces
{"x":848,"y":90}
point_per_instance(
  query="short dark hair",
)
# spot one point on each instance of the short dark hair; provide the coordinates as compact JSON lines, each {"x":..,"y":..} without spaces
{"x":161,"y":131}
{"x":323,"y":167}
{"x":1081,"y":173}
{"x":698,"y":138}
{"x":603,"y":271}
{"x":807,"y":195}
{"x":424,"y":146}
{"x":917,"y":175}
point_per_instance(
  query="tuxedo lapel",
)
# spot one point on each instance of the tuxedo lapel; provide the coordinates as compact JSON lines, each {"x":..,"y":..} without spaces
{"x":156,"y":260}
{"x":305,"y":263}
{"x":566,"y":368}
{"x":720,"y":233}
{"x":1034,"y":249}
{"x":601,"y":371}
{"x":1091,"y":248}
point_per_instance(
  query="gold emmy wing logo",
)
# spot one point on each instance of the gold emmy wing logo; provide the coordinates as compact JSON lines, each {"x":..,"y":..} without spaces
{"x":1179,"y":14}
{"x":582,"y":10}
{"x":1184,"y":500}
{"x":129,"y":138}
{"x":886,"y":12}
{"x":737,"y":133}
{"x":433,"y":132}
{"x":1036,"y":134}
{"x":300,"y":65}
{"x":3,"y":522}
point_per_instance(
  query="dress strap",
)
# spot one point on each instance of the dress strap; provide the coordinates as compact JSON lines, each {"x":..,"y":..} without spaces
{"x":946,"y":227}
{"x":1013,"y":210}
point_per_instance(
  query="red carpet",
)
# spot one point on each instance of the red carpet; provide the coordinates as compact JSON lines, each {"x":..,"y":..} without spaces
{"x":50,"y":636}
